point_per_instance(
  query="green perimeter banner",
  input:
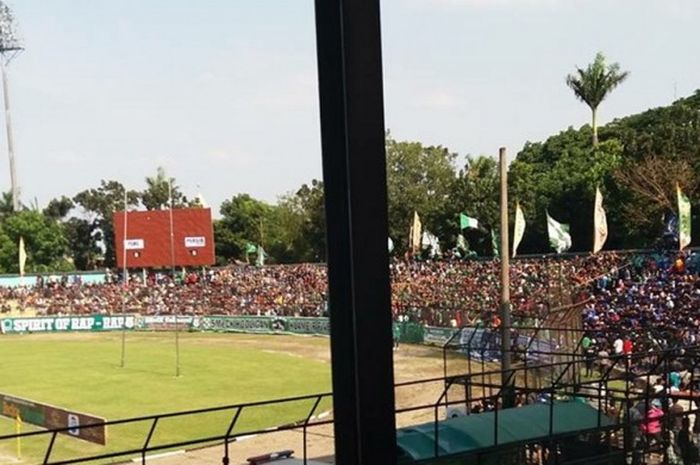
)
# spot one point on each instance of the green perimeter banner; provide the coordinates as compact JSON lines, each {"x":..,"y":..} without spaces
{"x":264,"y":324}
{"x":52,"y":324}
{"x":410,"y":332}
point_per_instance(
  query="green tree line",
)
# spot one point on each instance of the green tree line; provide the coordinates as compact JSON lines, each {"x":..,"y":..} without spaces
{"x":636,"y":161}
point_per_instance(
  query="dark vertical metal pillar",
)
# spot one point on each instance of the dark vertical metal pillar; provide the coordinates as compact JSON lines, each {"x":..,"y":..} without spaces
{"x":354,"y":172}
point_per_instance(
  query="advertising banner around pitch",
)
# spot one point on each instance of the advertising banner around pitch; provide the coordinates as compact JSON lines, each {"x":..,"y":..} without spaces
{"x":411,"y":332}
{"x":265,"y":324}
{"x":438,"y":336}
{"x":52,"y":324}
{"x":168,"y":322}
{"x":50,"y":417}
{"x":485,"y":344}
{"x":306,"y":325}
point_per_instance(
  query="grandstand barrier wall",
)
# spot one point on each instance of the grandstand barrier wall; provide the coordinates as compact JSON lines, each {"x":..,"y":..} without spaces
{"x":135,"y":322}
{"x":409,"y":332}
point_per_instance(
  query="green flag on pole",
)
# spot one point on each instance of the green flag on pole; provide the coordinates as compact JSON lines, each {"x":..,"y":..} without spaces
{"x":559,"y":237}
{"x":684,"y":219}
{"x":468,"y":222}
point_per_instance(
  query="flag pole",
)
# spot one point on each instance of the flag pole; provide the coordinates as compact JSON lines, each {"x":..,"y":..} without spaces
{"x":125,"y":280}
{"x":262,"y":234}
{"x":505,"y":284}
{"x":18,"y":430}
{"x":172,"y":270}
{"x":678,"y":201}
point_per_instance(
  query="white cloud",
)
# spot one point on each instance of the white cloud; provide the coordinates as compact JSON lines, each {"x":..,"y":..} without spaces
{"x":220,"y":155}
{"x":206,"y":77}
{"x":230,"y":157}
{"x":439,"y":99}
{"x":496,"y":3}
{"x":66,"y":157}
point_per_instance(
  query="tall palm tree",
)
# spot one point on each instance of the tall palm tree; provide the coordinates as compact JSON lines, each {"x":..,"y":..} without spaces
{"x":7,"y":207}
{"x":593,"y":84}
{"x":157,"y":193}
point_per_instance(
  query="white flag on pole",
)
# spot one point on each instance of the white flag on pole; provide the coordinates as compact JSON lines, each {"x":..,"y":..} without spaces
{"x":22,"y":256}
{"x":519,"y":229}
{"x":431,"y":241}
{"x":600,"y":223}
{"x":414,"y":239}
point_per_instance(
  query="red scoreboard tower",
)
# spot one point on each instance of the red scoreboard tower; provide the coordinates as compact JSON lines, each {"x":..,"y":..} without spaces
{"x":148,"y":243}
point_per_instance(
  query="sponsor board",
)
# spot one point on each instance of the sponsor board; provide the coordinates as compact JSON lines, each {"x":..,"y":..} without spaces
{"x":264,"y":324}
{"x":50,"y":417}
{"x":485,"y":344}
{"x":168,"y":322}
{"x":307,"y":325}
{"x":67,"y":323}
{"x":197,"y":241}
{"x":134,"y":244}
{"x":250,"y":324}
{"x":437,"y":336}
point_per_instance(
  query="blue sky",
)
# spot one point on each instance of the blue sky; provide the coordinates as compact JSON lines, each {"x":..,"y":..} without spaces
{"x":222,"y":93}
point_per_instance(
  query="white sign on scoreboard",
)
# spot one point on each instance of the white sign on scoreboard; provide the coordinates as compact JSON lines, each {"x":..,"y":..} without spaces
{"x":133,"y":244}
{"x":195,"y":241}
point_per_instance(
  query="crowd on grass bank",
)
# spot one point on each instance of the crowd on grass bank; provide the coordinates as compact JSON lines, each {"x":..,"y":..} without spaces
{"x":434,"y":292}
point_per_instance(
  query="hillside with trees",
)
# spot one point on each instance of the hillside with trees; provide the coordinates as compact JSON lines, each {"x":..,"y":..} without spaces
{"x":636,"y":162}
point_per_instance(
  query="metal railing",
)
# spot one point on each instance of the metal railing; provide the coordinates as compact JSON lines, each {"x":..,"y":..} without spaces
{"x":596,"y":391}
{"x":225,"y":437}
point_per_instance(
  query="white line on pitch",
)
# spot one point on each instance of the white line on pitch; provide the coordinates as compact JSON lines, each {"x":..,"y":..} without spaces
{"x":160,"y":456}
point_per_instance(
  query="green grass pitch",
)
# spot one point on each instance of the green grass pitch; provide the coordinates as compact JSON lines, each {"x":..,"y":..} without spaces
{"x":82,"y":372}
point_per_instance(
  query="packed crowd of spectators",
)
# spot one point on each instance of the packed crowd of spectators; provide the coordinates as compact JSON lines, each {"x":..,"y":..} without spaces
{"x":459,"y":293}
{"x":289,"y":290}
{"x":439,"y":292}
{"x":652,"y":304}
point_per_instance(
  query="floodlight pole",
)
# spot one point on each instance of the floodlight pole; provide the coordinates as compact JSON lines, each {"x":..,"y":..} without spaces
{"x":10,"y":136}
{"x":125,"y":280}
{"x":172,"y":271}
{"x":505,"y":283}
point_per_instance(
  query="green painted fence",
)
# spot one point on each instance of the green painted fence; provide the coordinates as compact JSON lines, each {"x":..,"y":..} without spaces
{"x":409,"y":332}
